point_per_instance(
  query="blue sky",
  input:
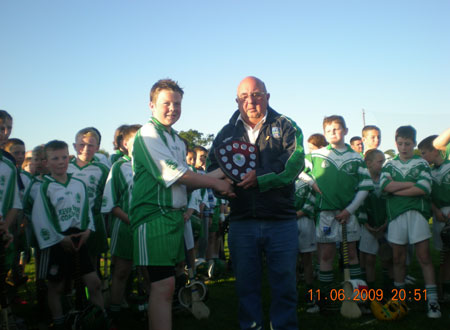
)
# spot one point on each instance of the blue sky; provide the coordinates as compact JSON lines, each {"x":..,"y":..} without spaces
{"x":65,"y":65}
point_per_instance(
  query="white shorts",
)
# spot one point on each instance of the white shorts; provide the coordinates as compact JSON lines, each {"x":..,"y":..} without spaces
{"x":409,"y":227}
{"x":306,"y":235}
{"x":368,"y":243}
{"x":328,"y":230}
{"x":437,"y":227}
{"x":188,"y":235}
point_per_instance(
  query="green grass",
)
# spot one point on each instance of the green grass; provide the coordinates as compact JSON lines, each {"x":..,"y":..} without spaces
{"x":223,"y":306}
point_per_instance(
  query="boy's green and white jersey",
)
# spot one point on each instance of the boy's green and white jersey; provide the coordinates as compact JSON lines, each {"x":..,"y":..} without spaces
{"x":58,"y":207}
{"x":9,"y":190}
{"x":117,"y":191}
{"x":94,"y":177}
{"x":373,"y":210}
{"x":440,"y":191}
{"x":414,"y":170}
{"x":159,"y":160}
{"x":195,"y":199}
{"x":30,"y":195}
{"x":339,"y":175}
{"x":304,"y":198}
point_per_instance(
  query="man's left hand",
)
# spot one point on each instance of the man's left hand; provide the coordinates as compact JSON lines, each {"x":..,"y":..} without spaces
{"x":249,"y":181}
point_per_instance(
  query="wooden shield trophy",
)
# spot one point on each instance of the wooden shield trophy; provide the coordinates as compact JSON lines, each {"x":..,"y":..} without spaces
{"x":237,"y":158}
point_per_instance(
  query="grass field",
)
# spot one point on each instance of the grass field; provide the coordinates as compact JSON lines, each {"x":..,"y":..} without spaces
{"x":223,"y":306}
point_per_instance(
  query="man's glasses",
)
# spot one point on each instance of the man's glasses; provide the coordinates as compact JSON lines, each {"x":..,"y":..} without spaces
{"x":255,"y":95}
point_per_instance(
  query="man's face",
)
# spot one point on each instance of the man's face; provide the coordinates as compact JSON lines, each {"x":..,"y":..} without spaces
{"x":86,"y":147}
{"x":335,"y":133}
{"x":57,"y":161}
{"x":405,"y":147}
{"x":5,"y":130}
{"x":18,"y":152}
{"x":357,"y":146}
{"x":252,"y":100}
{"x":372,"y":139}
{"x":167,"y":107}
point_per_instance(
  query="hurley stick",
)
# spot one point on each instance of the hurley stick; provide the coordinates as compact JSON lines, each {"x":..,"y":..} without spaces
{"x":349,"y":307}
{"x":198,"y":307}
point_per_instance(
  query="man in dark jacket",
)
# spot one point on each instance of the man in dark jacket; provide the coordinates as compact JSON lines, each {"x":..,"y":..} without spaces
{"x":263,"y":217}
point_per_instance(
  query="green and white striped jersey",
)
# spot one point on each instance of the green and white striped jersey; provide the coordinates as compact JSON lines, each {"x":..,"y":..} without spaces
{"x":440,"y":190}
{"x":9,"y":191}
{"x":159,"y":160}
{"x":117,"y":191}
{"x":339,"y":175}
{"x":304,"y":198}
{"x":414,"y":170}
{"x":58,"y":207}
{"x":94,"y":177}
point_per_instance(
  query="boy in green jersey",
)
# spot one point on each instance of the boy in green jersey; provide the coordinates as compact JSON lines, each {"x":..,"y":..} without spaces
{"x":440,"y":205}
{"x":159,"y":198}
{"x":342,"y":182}
{"x":407,"y":180}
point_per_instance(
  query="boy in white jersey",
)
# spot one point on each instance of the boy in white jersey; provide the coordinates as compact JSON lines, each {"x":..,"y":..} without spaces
{"x":116,"y":199}
{"x":407,"y":179}
{"x":440,"y":204}
{"x":371,"y":137}
{"x":159,"y":197}
{"x":342,"y":182}
{"x":62,"y":221}
{"x":94,"y":175}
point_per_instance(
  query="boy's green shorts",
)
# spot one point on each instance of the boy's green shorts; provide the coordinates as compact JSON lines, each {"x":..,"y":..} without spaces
{"x":160,"y":241}
{"x":197,"y":228}
{"x":215,"y":220}
{"x":122,"y":240}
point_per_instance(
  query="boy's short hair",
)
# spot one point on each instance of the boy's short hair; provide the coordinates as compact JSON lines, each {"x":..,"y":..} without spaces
{"x":88,"y":131}
{"x":164,"y":84}
{"x":406,"y":132}
{"x":427,"y":143}
{"x":370,"y":154}
{"x":118,"y":136}
{"x":13,"y":142}
{"x":332,"y":119}
{"x":191,"y":151}
{"x":55,"y":145}
{"x":318,"y":140}
{"x":5,"y":115}
{"x":368,"y":128}
{"x":199,"y":148}
{"x":38,"y":150}
{"x":129,"y":131}
{"x":355,"y":138}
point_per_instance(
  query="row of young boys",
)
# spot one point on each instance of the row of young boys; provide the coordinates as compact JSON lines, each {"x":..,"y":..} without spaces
{"x":55,"y":202}
{"x":333,"y":162}
{"x":378,"y":200}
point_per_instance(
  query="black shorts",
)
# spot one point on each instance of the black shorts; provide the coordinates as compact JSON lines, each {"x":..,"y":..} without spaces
{"x":158,"y":273}
{"x":62,"y":265}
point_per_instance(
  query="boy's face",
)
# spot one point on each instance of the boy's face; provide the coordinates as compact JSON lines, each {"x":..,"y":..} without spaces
{"x":357,"y":146}
{"x":18,"y":153}
{"x":372,"y":139}
{"x":38,"y":162}
{"x":167,"y":107}
{"x":190,"y":158}
{"x":335,"y":133}
{"x":201,"y":159}
{"x":429,"y":155}
{"x":128,"y":145}
{"x":405,"y":147}
{"x":5,"y":130}
{"x":375,"y":165}
{"x":57,"y":161}
{"x":86,"y":147}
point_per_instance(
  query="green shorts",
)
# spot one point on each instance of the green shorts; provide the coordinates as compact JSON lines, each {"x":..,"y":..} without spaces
{"x":160,"y":241}
{"x":215,"y":220}
{"x":122,"y":240}
{"x":97,"y":242}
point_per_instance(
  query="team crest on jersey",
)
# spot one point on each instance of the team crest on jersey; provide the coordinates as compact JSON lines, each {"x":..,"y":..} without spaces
{"x":276,"y":132}
{"x":348,"y":168}
{"x":171,"y":164}
{"x":414,"y":172}
{"x":45,"y":234}
{"x":325,"y":164}
{"x":2,"y":180}
{"x":92,"y":179}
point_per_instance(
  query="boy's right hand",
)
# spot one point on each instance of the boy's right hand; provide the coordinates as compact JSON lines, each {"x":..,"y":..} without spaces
{"x":67,"y":244}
